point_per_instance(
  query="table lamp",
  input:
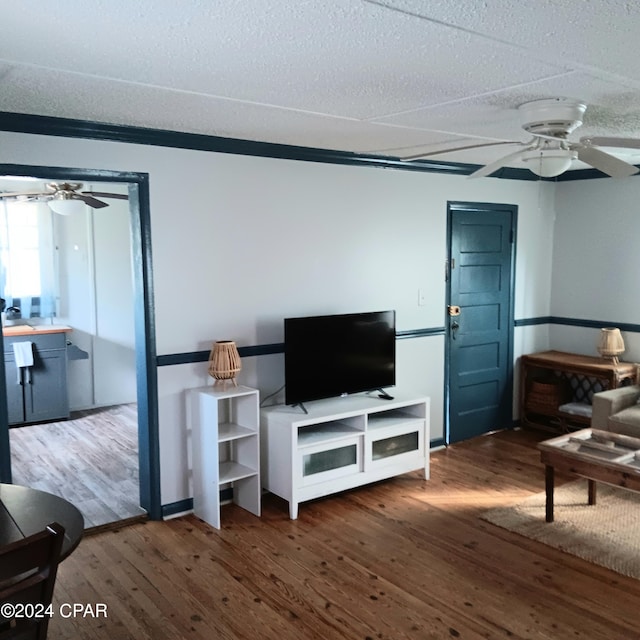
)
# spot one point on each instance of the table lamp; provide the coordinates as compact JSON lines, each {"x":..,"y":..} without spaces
{"x":224,"y":362}
{"x":611,"y":344}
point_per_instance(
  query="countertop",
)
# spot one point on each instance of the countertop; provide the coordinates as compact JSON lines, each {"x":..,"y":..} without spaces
{"x":28,"y":330}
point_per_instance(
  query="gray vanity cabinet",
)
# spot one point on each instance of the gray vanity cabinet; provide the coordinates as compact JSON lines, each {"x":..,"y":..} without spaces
{"x":39,"y":392}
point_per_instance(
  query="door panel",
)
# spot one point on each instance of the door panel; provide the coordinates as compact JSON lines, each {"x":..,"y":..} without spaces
{"x":15,"y":403}
{"x":479,"y":339}
{"x":479,"y":278}
{"x":483,"y":317}
{"x":46,"y":396}
{"x":479,"y":357}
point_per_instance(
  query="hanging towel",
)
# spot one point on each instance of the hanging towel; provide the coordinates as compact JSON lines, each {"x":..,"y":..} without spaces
{"x":23,"y":352}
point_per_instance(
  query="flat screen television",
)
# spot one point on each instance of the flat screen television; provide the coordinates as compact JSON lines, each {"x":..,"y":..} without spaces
{"x":334,"y":355}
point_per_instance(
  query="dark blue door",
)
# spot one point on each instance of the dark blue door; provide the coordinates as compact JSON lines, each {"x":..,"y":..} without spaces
{"x":480,"y":318}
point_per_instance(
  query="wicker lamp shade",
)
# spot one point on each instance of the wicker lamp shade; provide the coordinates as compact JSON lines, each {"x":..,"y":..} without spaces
{"x":224,"y":362}
{"x":611,"y":344}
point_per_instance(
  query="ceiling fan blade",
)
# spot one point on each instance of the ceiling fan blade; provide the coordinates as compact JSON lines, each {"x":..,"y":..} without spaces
{"x":24,"y":193}
{"x":91,"y":201}
{"x":427,"y":154}
{"x":100,"y":194}
{"x":606,"y":163}
{"x":488,"y":169}
{"x":623,"y":143}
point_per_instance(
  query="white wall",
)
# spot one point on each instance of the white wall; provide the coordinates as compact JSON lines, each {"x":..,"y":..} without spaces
{"x":239,"y":243}
{"x":76,"y":302}
{"x":97,"y":302}
{"x":596,"y":261}
{"x":114,"y":340}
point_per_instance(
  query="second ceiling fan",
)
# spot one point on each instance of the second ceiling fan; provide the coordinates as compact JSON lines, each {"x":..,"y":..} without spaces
{"x":63,"y":192}
{"x":550,"y":152}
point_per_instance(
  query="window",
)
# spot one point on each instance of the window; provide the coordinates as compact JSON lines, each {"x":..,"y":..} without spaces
{"x":27,"y":258}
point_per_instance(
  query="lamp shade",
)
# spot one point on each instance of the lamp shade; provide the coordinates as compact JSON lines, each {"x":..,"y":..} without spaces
{"x":224,"y":362}
{"x":548,"y":163}
{"x":611,"y":344}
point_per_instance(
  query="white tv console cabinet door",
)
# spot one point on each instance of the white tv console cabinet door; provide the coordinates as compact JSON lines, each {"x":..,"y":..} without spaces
{"x":340,"y":444}
{"x":225,"y":445}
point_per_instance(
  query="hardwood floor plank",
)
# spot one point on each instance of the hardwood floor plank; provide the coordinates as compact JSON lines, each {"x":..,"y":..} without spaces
{"x":400,"y":559}
{"x":358,"y":600}
{"x":215,"y":609}
{"x":456,"y":559}
{"x":312,"y":584}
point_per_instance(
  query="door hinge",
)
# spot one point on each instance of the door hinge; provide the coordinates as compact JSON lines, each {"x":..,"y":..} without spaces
{"x":448,"y":265}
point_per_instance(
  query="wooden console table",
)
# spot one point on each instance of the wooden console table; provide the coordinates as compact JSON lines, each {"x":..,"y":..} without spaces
{"x":551,"y":379}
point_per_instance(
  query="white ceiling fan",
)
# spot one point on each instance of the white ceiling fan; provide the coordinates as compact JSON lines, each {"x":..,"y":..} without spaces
{"x":63,"y":197}
{"x":550,"y":153}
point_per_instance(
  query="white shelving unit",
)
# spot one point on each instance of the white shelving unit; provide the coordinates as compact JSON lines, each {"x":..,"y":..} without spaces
{"x":340,"y":444}
{"x":225,"y":445}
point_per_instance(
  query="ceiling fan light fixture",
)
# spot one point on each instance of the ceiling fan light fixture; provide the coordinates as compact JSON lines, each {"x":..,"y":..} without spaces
{"x":549,"y":163}
{"x":66,"y":206}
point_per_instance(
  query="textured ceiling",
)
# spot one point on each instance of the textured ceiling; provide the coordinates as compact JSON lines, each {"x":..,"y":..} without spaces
{"x":390,"y":77}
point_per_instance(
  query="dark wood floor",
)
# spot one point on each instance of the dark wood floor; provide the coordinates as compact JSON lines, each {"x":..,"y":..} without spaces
{"x":90,"y":460}
{"x":406,"y":558}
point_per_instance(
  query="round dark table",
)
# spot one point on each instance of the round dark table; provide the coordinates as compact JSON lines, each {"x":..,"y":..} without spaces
{"x":25,"y":511}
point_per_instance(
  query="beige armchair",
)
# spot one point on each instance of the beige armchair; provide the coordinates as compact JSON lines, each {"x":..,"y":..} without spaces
{"x":617,"y":410}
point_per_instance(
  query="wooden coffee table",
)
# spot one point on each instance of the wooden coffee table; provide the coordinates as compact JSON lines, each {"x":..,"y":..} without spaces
{"x":599,"y":456}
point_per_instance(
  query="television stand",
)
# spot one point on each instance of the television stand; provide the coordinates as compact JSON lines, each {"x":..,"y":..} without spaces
{"x":384,"y":395}
{"x":340,"y":444}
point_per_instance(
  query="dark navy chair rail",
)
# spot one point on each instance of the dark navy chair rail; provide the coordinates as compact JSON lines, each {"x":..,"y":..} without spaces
{"x":578,"y":322}
{"x":278,"y":347}
{"x":268,"y":349}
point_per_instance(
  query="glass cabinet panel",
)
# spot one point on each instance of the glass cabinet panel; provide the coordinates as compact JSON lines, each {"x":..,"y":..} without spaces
{"x":329,"y":459}
{"x":394,"y":446}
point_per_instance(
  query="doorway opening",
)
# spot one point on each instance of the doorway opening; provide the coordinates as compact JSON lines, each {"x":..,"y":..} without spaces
{"x":138,"y":417}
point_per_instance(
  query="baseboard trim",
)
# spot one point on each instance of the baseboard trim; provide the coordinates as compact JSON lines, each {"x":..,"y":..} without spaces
{"x":175,"y":508}
{"x":114,"y":526}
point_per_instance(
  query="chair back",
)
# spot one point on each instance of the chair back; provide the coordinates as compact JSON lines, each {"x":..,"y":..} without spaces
{"x":28,"y":571}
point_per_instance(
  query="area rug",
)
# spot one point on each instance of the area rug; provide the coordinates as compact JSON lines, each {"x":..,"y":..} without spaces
{"x":607,"y":533}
